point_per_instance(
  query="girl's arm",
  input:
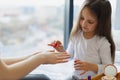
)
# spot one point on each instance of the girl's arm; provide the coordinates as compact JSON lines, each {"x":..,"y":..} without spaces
{"x":105,"y":55}
{"x":22,"y":68}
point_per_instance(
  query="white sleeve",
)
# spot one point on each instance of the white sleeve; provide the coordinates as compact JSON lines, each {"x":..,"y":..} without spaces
{"x":105,"y":55}
{"x":70,"y":49}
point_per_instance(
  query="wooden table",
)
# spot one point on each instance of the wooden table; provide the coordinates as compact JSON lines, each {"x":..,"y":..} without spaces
{"x":98,"y":77}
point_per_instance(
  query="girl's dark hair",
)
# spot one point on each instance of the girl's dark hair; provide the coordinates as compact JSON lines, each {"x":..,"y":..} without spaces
{"x":102,"y":10}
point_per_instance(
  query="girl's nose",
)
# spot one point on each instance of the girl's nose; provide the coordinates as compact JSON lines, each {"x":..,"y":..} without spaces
{"x":84,"y":23}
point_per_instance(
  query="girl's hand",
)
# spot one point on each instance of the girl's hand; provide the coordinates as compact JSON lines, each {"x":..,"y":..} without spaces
{"x":58,"y":46}
{"x":85,"y":66}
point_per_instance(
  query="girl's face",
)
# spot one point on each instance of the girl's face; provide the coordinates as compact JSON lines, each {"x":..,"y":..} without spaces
{"x":88,"y":21}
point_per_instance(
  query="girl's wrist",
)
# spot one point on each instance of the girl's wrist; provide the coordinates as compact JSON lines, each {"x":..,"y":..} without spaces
{"x":94,"y":68}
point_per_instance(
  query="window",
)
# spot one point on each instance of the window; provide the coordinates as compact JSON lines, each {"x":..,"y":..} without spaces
{"x":116,"y":30}
{"x":29,"y":25}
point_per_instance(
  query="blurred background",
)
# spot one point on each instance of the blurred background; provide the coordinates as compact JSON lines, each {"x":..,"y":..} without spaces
{"x":27,"y":26}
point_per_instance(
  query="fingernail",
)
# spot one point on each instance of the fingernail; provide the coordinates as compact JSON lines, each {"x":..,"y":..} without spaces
{"x":75,"y":60}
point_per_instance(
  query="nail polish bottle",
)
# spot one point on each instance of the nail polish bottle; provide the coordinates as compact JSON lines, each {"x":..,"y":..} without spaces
{"x":89,"y":78}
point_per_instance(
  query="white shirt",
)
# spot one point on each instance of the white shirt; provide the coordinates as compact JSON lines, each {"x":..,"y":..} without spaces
{"x":95,"y":50}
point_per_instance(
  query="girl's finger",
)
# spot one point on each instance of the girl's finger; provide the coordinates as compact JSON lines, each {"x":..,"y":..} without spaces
{"x":83,"y":72}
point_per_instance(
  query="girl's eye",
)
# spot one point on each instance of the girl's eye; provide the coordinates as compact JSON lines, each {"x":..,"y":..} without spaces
{"x":90,"y":22}
{"x":81,"y":18}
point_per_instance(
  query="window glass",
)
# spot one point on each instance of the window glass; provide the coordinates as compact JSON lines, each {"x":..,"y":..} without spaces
{"x":29,"y":25}
{"x":116,"y":29}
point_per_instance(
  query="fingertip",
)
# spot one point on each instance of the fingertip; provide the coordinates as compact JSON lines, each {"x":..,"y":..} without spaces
{"x":49,"y":44}
{"x":64,"y":52}
{"x":76,"y":60}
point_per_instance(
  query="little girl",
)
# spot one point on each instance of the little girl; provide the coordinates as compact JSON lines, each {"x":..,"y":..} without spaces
{"x":91,"y":43}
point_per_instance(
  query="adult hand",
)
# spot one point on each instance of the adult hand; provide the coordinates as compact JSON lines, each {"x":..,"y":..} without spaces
{"x":56,"y":57}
